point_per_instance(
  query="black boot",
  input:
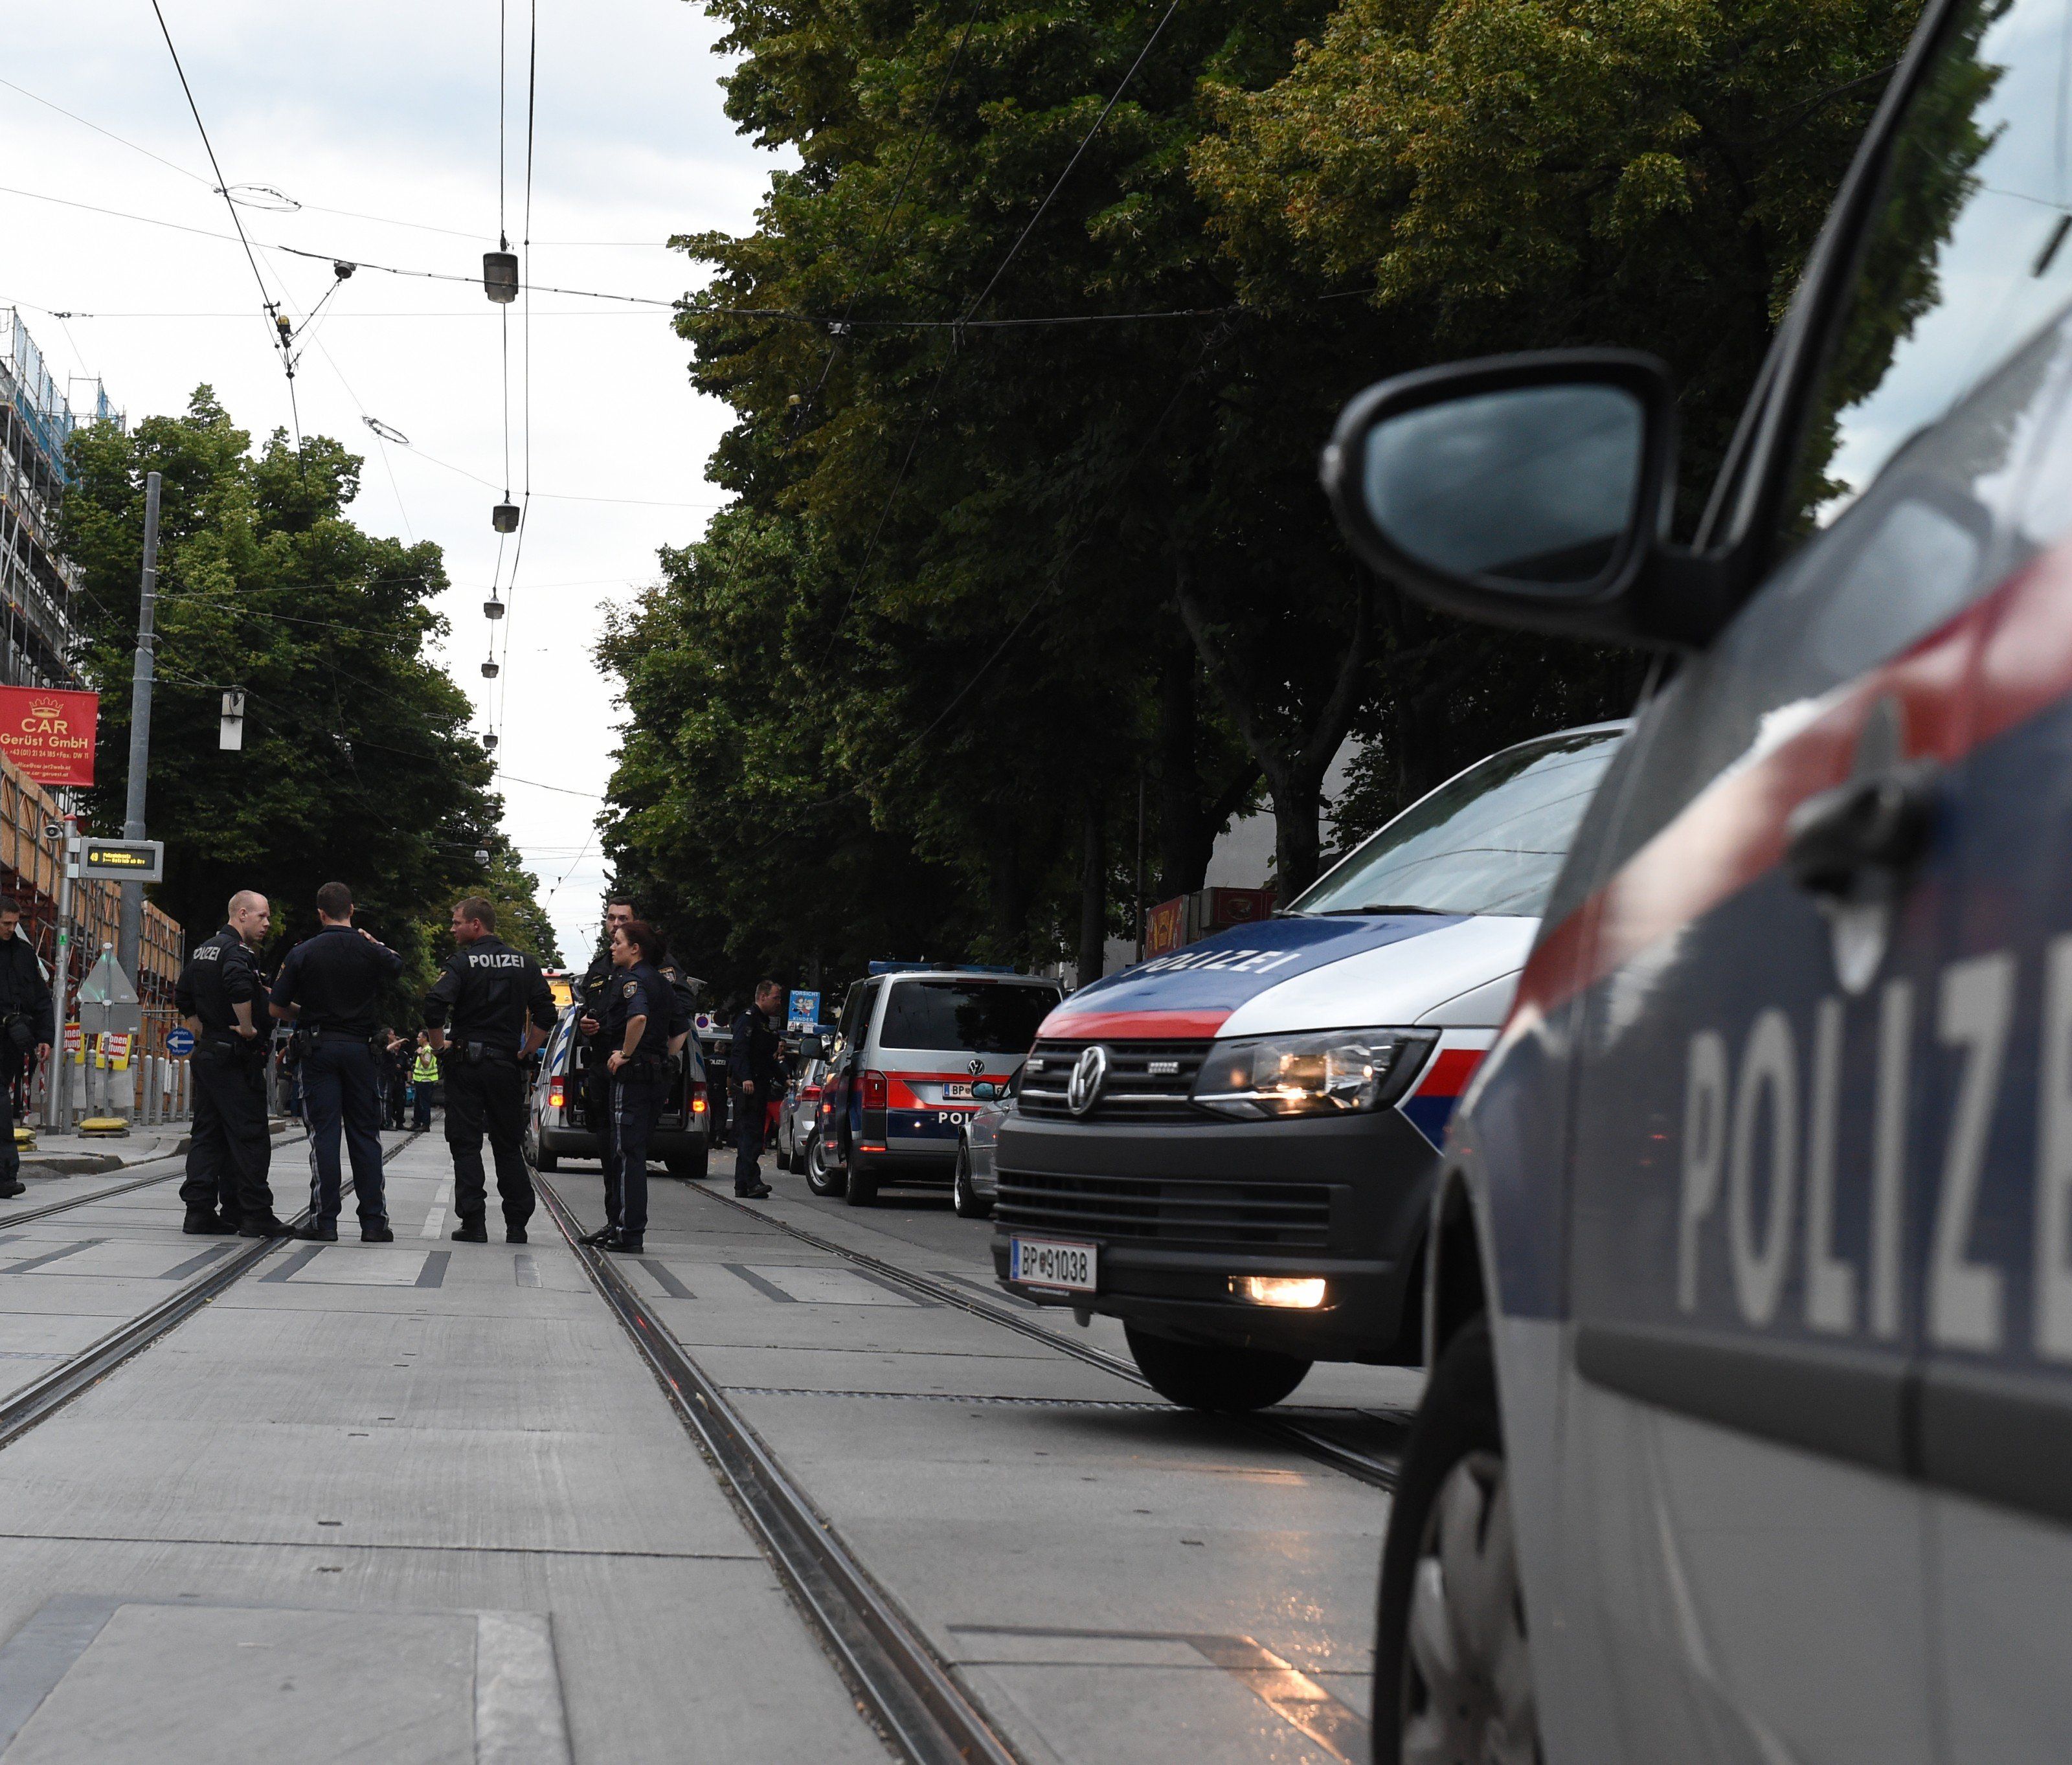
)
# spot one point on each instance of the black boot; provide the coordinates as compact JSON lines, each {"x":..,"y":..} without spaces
{"x":319,"y":1232}
{"x":11,"y":1186}
{"x":598,"y":1239}
{"x":376,"y":1233}
{"x":515,"y":1234}
{"x":632,"y":1243}
{"x":267,"y":1227}
{"x":756,"y":1193}
{"x":471,"y":1232}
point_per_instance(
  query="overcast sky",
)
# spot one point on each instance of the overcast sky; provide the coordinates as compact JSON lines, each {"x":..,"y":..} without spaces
{"x":390,"y":111}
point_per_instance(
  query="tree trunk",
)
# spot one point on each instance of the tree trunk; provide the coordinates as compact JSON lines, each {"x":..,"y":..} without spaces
{"x":1190,"y":815}
{"x":1093,"y":890}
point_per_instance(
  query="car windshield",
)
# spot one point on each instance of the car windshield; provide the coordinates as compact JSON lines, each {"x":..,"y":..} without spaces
{"x":977,"y":1017}
{"x":1489,"y":842}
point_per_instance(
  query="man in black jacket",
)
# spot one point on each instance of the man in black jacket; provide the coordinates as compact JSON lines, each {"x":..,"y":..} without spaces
{"x":753,"y":1076}
{"x":220,"y":998}
{"x":489,"y":990}
{"x":331,"y":986}
{"x":25,"y":1025}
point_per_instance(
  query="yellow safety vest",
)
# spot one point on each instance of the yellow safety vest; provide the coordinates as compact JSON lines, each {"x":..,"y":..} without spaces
{"x":426,"y":1069}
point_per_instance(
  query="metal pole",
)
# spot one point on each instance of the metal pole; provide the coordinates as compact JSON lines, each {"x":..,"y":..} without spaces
{"x":60,"y":1085}
{"x":130,"y":938}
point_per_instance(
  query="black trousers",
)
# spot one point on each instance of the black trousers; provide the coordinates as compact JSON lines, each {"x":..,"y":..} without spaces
{"x":637,"y":1095}
{"x":338,"y":1091}
{"x":11,"y":1159}
{"x":749,"y":1119}
{"x":230,"y":1150}
{"x":427,"y":1094}
{"x":487,"y":1095}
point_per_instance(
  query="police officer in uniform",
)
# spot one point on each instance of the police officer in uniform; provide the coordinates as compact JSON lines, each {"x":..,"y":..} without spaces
{"x":488,"y":990}
{"x":638,"y":1012}
{"x":25,"y":1024}
{"x":231,"y":1147}
{"x":591,"y":995}
{"x":331,"y":986}
{"x":757,"y":1081}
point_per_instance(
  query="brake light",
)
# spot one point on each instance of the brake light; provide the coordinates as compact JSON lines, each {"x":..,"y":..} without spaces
{"x":811,"y":1090}
{"x":557,"y":1094}
{"x":874,"y":1091}
{"x":697,"y":1097}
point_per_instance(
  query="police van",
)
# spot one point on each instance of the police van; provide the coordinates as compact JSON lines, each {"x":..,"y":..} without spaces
{"x":558,"y":1124}
{"x":1748,"y":1430}
{"x":1233,"y":1148}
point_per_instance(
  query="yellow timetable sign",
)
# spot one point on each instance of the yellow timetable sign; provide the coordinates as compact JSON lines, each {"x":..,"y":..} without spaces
{"x":123,"y":861}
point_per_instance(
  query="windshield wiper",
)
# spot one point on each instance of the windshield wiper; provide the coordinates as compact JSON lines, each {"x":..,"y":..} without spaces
{"x":1385,"y":908}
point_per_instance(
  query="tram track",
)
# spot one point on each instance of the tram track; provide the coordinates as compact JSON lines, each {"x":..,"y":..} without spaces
{"x":42,"y":1398}
{"x":1302,"y":1436}
{"x":911,"y":1693}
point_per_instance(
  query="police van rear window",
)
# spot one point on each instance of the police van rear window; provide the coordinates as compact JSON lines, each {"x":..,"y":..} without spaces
{"x":977,"y":1017}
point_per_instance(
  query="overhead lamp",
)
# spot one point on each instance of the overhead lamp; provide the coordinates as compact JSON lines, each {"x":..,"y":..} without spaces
{"x":482,"y":854}
{"x":504,"y":517}
{"x":490,"y":671}
{"x":499,"y":276}
{"x":489,"y":743}
{"x":492,"y":608}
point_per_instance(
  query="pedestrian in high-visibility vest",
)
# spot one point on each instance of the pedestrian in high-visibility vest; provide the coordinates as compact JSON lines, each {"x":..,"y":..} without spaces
{"x":424,"y":1084}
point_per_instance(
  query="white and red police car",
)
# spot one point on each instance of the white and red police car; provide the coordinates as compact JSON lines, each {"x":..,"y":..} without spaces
{"x":1748,"y":1434}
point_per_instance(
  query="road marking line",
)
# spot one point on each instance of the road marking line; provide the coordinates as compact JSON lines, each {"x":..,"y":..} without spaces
{"x":435,"y":1223}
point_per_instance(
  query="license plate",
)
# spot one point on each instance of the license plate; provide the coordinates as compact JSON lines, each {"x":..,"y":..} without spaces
{"x":1044,"y":1262}
{"x":956,"y":1087}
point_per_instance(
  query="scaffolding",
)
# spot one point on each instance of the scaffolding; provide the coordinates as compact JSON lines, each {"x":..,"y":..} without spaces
{"x":37,"y":633}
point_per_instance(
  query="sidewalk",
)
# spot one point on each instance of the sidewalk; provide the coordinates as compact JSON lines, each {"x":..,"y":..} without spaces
{"x":79,"y":1154}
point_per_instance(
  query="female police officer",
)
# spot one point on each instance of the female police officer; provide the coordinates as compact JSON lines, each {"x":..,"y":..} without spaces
{"x":637,"y":1007}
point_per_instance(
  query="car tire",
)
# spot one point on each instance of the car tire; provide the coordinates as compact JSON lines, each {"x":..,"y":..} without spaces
{"x":967,"y":1202}
{"x":1214,"y":1376}
{"x":822,"y":1178}
{"x":862,"y":1190}
{"x":1450,"y":1682}
{"x":683,"y":1170}
{"x":546,"y":1161}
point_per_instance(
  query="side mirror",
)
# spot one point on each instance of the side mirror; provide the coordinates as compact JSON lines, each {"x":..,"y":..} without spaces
{"x":984,"y":1091}
{"x":1524,"y":490}
{"x":809,"y":1047}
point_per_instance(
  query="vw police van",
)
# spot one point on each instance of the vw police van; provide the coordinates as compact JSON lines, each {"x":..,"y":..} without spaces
{"x":1233,"y":1148}
{"x":1749,"y":1431}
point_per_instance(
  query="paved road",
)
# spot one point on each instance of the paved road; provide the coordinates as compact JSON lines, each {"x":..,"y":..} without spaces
{"x":426,"y":1502}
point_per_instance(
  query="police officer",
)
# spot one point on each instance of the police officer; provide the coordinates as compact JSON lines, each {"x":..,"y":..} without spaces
{"x":756,"y":1082}
{"x":635,"y":1029}
{"x":592,"y":995}
{"x":231,"y":1148}
{"x":25,"y":1024}
{"x":331,"y":986}
{"x":488,"y":990}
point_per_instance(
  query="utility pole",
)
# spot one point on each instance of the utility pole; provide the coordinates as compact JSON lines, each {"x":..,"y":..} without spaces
{"x":58,"y":1088}
{"x":130,"y":935}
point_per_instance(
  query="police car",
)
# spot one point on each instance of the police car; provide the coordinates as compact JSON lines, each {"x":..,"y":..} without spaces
{"x":1233,"y":1148}
{"x":1748,"y":1430}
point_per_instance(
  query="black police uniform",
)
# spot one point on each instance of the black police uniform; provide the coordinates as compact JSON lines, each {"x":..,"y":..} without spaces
{"x":336,"y":979}
{"x":25,"y":1020}
{"x":638,"y":1091}
{"x":489,"y":990}
{"x":596,"y":1080}
{"x":230,"y":1149}
{"x":753,"y":1061}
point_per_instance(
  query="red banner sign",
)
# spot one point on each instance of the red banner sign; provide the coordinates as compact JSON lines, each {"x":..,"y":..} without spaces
{"x":50,"y":734}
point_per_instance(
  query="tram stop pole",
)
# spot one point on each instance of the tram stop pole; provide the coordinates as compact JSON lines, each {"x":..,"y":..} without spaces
{"x":58,"y":1086}
{"x":130,"y":935}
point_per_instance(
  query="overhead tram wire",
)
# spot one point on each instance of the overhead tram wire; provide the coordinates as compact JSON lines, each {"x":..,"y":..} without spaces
{"x":503,"y":681}
{"x":972,"y":312}
{"x":223,"y":188}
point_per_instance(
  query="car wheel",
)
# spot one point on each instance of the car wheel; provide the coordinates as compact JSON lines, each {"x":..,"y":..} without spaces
{"x":822,"y":1178}
{"x":968,"y":1203}
{"x":862,"y":1190}
{"x":685,"y":1169}
{"x":1453,"y":1668}
{"x":545,"y":1161}
{"x":1213,"y":1376}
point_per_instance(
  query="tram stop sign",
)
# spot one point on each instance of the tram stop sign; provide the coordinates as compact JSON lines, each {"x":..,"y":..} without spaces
{"x":122,"y":861}
{"x":108,"y":1004}
{"x":179,"y":1042}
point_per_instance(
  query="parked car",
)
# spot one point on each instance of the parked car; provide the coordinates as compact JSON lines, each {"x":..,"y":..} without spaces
{"x":1746,"y":1435}
{"x":557,"y":1123}
{"x":972,"y":1187}
{"x":799,"y":1113}
{"x":910,"y":1045}
{"x":1233,"y":1148}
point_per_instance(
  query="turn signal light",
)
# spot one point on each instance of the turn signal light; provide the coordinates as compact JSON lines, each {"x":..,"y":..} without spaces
{"x":698,"y":1100}
{"x":1295,"y":1293}
{"x":874,"y":1091}
{"x":557,"y":1094}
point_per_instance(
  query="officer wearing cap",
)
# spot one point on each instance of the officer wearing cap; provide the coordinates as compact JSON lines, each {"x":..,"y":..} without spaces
{"x":231,"y":1147}
{"x":489,"y":991}
{"x":638,"y":1014}
{"x":330,"y":986}
{"x":26,"y":1022}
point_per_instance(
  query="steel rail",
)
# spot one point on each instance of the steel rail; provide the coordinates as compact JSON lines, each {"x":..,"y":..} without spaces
{"x":1305,"y":1439}
{"x":12,"y":1217}
{"x":921,"y":1707}
{"x":37,"y":1401}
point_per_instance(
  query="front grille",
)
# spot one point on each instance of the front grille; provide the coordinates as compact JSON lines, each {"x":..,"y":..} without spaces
{"x":1207,"y":1213}
{"x":1147,"y":1081}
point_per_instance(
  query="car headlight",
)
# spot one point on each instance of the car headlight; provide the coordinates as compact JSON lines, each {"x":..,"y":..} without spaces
{"x":1326,"y":1073}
